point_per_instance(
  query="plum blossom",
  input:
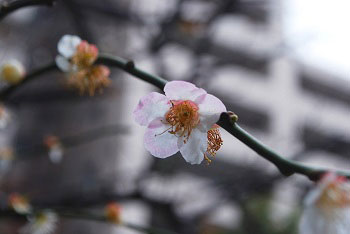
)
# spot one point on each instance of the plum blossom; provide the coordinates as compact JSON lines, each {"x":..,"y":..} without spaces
{"x":55,"y":148}
{"x":41,"y":223}
{"x":12,"y":72}
{"x":19,"y":203}
{"x":181,"y":120}
{"x":327,"y":207}
{"x":76,"y":58}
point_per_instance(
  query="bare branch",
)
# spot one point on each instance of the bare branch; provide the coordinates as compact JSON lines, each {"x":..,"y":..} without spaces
{"x":8,"y":7}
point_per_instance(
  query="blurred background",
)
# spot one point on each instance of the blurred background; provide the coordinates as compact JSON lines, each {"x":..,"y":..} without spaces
{"x":281,"y":66}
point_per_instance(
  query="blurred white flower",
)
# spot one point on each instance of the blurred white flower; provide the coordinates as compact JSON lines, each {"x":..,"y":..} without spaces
{"x":12,"y":72}
{"x":55,"y":148}
{"x":42,"y":223}
{"x":19,"y":203}
{"x":327,"y":207}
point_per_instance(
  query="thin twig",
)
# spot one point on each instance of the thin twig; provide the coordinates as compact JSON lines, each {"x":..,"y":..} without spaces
{"x":5,"y":93}
{"x":8,"y":7}
{"x":74,"y":140}
{"x":287,"y":167}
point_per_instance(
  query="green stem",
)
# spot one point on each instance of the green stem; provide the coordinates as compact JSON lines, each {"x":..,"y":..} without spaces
{"x":287,"y":167}
{"x":6,"y":8}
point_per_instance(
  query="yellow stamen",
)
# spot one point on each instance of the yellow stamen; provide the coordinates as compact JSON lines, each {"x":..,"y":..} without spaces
{"x":337,"y":194}
{"x":214,"y":143}
{"x":183,"y":117}
{"x":85,"y":55}
{"x":90,"y":79}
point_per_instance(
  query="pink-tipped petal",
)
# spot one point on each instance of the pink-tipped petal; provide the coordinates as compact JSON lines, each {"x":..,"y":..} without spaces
{"x":195,"y":147}
{"x":159,"y":142}
{"x":67,"y":45}
{"x":182,"y":90}
{"x":150,"y":107}
{"x":210,"y":110}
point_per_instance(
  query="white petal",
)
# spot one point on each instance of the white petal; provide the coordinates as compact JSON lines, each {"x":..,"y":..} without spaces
{"x":158,"y":141}
{"x":63,"y":63}
{"x":68,"y":45}
{"x":56,"y":154}
{"x":312,"y":196}
{"x":334,"y":220}
{"x":195,"y":147}
{"x":312,"y":222}
{"x":182,"y":90}
{"x":210,"y":110}
{"x":150,"y":107}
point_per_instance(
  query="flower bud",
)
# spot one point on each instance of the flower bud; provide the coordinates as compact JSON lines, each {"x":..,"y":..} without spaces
{"x":12,"y":72}
{"x":113,"y":213}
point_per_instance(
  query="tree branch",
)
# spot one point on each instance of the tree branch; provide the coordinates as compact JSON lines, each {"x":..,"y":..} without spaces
{"x":5,"y":93}
{"x":8,"y":7}
{"x":74,"y":140}
{"x":226,"y":121}
{"x":82,"y":214}
{"x":285,"y":166}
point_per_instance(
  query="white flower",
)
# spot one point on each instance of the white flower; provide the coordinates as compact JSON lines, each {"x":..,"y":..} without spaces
{"x":181,"y":120}
{"x":12,"y":72}
{"x":327,"y":207}
{"x":67,"y":47}
{"x":42,"y":223}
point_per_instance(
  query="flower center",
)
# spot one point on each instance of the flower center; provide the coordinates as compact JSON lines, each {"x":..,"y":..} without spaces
{"x":183,"y":117}
{"x":85,"y":55}
{"x":90,"y":79}
{"x":214,"y":143}
{"x":336,"y":195}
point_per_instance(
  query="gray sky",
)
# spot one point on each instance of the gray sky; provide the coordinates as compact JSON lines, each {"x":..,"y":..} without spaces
{"x":319,"y":33}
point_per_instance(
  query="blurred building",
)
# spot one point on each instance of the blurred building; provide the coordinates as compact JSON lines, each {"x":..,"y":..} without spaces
{"x":235,"y":50}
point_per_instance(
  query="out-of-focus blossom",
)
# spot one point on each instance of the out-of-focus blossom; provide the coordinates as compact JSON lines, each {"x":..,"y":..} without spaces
{"x":181,"y":120}
{"x":20,"y":203}
{"x":6,"y":158}
{"x":12,"y":72}
{"x":5,"y":117}
{"x":76,"y":58}
{"x":54,"y":147}
{"x":113,"y":213}
{"x":42,"y":223}
{"x":327,"y":207}
{"x":90,"y":79}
